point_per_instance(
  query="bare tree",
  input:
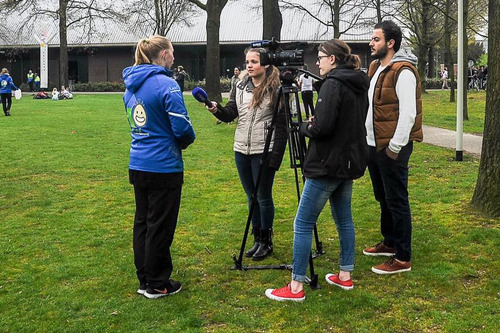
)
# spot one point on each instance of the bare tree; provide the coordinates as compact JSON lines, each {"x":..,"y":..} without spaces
{"x":422,"y":20}
{"x":79,"y":15}
{"x":340,"y":15}
{"x":212,"y":71}
{"x":383,"y":8}
{"x":158,"y":16}
{"x":487,"y":193}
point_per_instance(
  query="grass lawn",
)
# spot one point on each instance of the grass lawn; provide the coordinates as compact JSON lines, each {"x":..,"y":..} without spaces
{"x":66,"y":237}
{"x":439,"y":112}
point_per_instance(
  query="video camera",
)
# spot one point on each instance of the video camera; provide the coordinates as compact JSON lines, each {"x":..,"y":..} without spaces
{"x":281,"y":54}
{"x":285,"y":56}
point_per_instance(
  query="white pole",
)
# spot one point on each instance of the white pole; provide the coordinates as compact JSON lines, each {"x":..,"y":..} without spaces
{"x":460,"y":83}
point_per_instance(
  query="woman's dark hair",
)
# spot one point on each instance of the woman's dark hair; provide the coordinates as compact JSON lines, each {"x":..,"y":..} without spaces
{"x":342,"y":53}
{"x":391,"y":31}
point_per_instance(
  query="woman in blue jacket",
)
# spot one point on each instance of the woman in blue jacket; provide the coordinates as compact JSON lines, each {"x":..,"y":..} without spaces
{"x":336,"y":155}
{"x":160,"y":129}
{"x":6,"y":86}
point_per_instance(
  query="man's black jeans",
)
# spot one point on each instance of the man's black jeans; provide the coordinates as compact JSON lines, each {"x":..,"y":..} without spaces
{"x":390,"y":186}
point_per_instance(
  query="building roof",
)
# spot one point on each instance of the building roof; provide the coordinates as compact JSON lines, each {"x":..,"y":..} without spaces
{"x":241,"y":22}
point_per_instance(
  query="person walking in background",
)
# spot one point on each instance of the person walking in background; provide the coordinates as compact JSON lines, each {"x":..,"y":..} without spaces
{"x":37,"y":82}
{"x":252,"y":102}
{"x":160,"y":129}
{"x":31,"y":80}
{"x":181,"y":76}
{"x":337,"y":154}
{"x":306,"y":90}
{"x":6,"y":87}
{"x":444,"y":78}
{"x":235,"y":78}
{"x":394,"y":121}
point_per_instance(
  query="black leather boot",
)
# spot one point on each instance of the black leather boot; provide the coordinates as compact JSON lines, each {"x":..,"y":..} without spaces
{"x":266,"y":244}
{"x":256,"y":244}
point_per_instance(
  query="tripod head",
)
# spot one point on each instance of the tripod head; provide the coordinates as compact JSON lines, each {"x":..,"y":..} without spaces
{"x":287,"y":75}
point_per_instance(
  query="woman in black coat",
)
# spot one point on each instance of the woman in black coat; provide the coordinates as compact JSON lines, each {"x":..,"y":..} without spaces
{"x":336,"y":155}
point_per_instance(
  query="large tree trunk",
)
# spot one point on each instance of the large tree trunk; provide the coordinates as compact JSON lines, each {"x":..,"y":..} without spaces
{"x":487,"y":193}
{"x":63,"y":44}
{"x":272,"y":19}
{"x":212,"y":70}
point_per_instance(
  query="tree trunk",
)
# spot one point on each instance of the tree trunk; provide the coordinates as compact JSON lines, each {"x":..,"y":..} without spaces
{"x":424,"y":47}
{"x":422,"y":54}
{"x":212,"y":71}
{"x":448,"y":61}
{"x":63,"y":44}
{"x":431,"y":68}
{"x":465,"y":59}
{"x":487,"y":193}
{"x":272,"y":19}
{"x":336,"y":19}
{"x":378,"y":8}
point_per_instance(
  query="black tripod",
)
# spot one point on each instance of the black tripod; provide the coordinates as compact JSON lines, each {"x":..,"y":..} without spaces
{"x":297,"y":150}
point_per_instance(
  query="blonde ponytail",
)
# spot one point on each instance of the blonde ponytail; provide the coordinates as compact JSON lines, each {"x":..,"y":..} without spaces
{"x":148,"y":49}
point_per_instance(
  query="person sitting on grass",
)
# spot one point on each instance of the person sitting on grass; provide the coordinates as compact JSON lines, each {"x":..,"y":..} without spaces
{"x":55,"y":94}
{"x":41,"y":95}
{"x":65,"y":93}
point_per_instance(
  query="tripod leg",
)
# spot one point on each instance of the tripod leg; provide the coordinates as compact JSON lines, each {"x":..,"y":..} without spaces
{"x":319,"y":245}
{"x":313,"y":281}
{"x":238,"y":262}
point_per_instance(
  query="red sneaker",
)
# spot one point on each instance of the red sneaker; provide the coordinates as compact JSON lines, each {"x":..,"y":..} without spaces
{"x":285,"y":294}
{"x":334,"y":279}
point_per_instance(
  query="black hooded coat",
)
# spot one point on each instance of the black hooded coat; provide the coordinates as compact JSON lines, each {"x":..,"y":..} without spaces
{"x":337,"y":145}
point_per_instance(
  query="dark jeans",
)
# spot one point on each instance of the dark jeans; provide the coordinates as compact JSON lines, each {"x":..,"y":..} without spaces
{"x":6,"y":102}
{"x":390,"y":186}
{"x":248,"y":169}
{"x":307,"y":99}
{"x":157,"y":209}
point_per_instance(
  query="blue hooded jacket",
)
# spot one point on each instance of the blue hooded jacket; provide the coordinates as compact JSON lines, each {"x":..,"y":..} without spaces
{"x":6,"y":84}
{"x":159,"y":122}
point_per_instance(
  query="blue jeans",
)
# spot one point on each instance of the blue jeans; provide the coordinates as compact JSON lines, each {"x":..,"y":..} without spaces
{"x":390,"y":186}
{"x":248,"y":169}
{"x":314,"y":196}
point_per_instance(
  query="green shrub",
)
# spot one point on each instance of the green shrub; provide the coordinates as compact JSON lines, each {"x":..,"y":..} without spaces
{"x":225,"y":84}
{"x":99,"y":87}
{"x":119,"y":86}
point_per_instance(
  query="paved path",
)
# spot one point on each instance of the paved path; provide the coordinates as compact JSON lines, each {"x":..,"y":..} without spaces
{"x":447,"y":139}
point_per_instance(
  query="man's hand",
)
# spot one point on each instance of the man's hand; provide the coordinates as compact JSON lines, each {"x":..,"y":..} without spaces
{"x":392,"y":155}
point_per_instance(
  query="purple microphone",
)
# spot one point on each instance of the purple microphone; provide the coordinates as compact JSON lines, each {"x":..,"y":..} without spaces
{"x":201,"y":96}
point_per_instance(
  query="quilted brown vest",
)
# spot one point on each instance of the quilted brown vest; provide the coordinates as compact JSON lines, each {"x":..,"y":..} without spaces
{"x":386,"y":103}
